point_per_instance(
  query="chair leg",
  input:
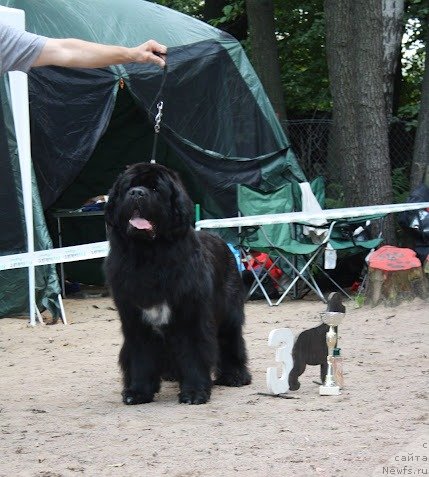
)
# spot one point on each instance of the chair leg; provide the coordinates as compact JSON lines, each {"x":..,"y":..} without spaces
{"x":335,"y":283}
{"x":319,"y":291}
{"x":299,"y":273}
{"x":302,"y":277}
{"x":257,"y":281}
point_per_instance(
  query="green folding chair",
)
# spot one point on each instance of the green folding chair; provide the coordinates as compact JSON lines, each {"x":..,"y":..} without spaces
{"x":347,"y":237}
{"x":294,"y":257}
{"x":287,"y":245}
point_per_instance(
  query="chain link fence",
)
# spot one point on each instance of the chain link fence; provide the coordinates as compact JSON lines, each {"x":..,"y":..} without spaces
{"x":310,"y":142}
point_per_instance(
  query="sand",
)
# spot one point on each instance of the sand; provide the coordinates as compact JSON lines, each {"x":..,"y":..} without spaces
{"x":61,"y":412}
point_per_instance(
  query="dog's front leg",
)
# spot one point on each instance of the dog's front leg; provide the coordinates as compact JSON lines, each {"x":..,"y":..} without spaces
{"x":140,"y":358}
{"x":195,"y":355}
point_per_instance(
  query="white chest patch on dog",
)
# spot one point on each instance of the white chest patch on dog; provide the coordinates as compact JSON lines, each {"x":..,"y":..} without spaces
{"x":158,"y":315}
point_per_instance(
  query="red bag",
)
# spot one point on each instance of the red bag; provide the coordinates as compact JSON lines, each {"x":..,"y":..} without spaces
{"x":261,"y":259}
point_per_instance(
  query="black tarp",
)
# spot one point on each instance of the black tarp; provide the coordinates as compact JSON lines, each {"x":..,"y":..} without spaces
{"x":68,"y":123}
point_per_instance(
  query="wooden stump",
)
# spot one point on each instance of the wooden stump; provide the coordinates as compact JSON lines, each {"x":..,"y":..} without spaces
{"x":395,"y":275}
{"x":426,"y":266}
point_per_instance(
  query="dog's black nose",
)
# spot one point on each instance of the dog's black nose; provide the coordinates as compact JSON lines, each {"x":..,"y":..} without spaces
{"x":137,"y":192}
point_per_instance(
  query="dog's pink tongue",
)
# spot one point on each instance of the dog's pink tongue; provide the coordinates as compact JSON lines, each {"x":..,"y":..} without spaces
{"x":141,"y":224}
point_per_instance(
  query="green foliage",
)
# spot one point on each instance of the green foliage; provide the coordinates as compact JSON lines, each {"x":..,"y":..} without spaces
{"x":400,"y":184}
{"x":417,"y":10}
{"x":301,"y":33}
{"x":230,"y":13}
{"x":413,"y":59}
{"x":409,"y":115}
{"x":334,"y":196}
{"x":359,"y":300}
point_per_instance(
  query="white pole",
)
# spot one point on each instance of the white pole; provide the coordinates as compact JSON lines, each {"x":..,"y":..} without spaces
{"x":19,"y":97}
{"x":21,"y":115}
{"x":63,"y":311}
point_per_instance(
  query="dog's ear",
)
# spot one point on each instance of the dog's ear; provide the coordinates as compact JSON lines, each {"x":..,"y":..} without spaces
{"x":182,"y":208}
{"x":109,"y":209}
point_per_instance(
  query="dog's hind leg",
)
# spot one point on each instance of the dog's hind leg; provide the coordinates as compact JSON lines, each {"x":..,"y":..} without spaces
{"x":232,"y":359}
{"x":323,"y":371}
{"x":298,"y":368}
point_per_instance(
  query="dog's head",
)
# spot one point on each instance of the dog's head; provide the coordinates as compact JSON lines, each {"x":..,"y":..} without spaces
{"x":148,"y":201}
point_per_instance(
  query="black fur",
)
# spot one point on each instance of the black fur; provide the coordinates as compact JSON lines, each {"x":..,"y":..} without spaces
{"x":193,"y":275}
{"x":310,"y":348}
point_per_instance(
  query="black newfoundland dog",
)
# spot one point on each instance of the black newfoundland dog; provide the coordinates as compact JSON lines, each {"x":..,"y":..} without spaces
{"x":178,"y":292}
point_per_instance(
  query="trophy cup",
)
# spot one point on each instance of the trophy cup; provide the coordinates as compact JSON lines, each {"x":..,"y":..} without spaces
{"x":332,"y":319}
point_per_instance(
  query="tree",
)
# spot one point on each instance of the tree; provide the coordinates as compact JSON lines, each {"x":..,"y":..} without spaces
{"x":264,"y":52}
{"x":393,"y":11}
{"x":230,"y":17}
{"x":355,"y":60}
{"x":300,"y":27}
{"x":421,"y":145}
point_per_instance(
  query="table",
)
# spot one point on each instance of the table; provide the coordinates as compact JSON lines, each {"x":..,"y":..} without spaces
{"x":64,"y":214}
{"x":307,"y":217}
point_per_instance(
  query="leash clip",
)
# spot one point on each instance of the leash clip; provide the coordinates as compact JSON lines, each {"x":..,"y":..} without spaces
{"x":158,"y":117}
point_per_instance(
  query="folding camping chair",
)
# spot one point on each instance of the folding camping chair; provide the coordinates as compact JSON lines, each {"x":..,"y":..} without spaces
{"x":294,"y":257}
{"x":286,"y":244}
{"x":347,"y":237}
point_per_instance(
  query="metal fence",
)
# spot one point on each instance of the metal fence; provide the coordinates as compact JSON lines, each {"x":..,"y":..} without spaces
{"x":310,"y":142}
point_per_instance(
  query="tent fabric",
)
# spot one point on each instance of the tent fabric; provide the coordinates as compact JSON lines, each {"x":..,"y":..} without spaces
{"x":192,"y":115}
{"x":14,"y":283}
{"x":12,"y":236}
{"x":218,"y":127}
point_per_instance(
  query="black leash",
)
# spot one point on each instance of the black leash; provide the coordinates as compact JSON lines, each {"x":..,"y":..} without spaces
{"x":160,"y":105}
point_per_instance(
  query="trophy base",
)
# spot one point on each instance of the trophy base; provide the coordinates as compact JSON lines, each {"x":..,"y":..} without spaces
{"x":329,"y":390}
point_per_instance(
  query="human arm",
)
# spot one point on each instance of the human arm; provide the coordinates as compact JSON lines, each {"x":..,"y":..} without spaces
{"x":83,"y":54}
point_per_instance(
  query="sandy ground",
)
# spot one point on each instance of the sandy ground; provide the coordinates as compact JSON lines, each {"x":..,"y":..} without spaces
{"x":61,"y":412}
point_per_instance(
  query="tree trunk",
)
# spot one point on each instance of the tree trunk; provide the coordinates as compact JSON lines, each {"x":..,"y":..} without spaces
{"x":355,"y":62}
{"x":265,"y":58}
{"x":393,"y":12}
{"x":339,"y":49}
{"x":372,"y":125}
{"x":421,"y":144}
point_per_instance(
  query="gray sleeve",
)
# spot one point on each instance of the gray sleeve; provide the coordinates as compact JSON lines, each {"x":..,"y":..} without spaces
{"x":18,"y":49}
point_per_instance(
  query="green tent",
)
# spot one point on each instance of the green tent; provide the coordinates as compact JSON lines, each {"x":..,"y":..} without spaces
{"x":218,"y":128}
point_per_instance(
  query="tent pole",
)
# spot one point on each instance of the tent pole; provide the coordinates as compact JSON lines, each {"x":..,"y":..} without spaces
{"x":21,"y":117}
{"x":39,"y":316}
{"x":63,"y":311}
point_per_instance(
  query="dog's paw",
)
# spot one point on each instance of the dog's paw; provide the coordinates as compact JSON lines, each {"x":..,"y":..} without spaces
{"x":194,"y":397}
{"x":234,"y":378}
{"x":294,"y":386}
{"x":131,"y":397}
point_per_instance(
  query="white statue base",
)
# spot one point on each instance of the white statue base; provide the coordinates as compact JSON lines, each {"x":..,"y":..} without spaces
{"x":329,"y":390}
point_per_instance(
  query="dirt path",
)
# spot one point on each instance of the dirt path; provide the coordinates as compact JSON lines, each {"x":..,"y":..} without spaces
{"x":61,"y":412}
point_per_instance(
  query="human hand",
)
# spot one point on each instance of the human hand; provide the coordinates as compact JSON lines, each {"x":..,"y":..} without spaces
{"x":150,"y":52}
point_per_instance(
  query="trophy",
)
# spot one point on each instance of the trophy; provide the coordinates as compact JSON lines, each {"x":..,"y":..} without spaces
{"x":332,"y":319}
